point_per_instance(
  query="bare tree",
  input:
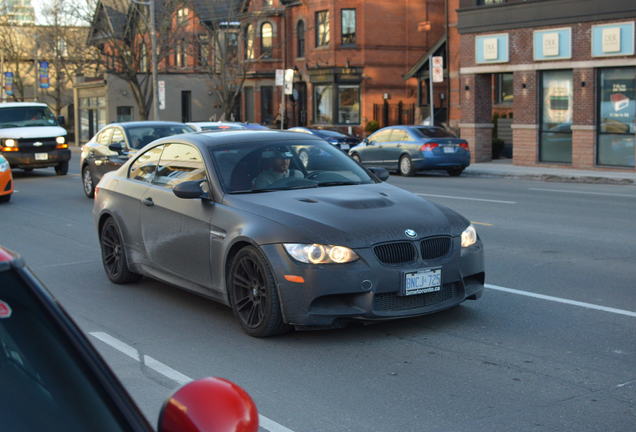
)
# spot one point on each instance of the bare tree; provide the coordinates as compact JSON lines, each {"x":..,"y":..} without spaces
{"x":17,"y":55}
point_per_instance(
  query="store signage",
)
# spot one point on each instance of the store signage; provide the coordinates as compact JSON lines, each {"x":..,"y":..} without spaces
{"x":280,"y":77}
{"x":438,"y":69}
{"x":552,"y":44}
{"x":8,"y":83}
{"x":43,"y":74}
{"x":615,"y":39}
{"x":491,"y":48}
{"x":288,"y":85}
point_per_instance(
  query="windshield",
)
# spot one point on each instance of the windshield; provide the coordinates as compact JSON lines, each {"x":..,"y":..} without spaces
{"x":328,"y":134}
{"x":139,"y":136}
{"x":26,"y":116}
{"x":432,"y":132}
{"x":266,"y":167}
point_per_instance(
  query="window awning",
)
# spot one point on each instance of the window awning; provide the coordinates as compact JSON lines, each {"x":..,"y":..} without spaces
{"x":438,"y":49}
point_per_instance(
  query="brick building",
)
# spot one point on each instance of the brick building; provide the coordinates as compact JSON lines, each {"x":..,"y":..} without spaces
{"x":568,"y":79}
{"x":349,"y":58}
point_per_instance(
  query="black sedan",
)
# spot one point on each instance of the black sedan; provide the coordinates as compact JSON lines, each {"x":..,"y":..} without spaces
{"x":54,"y":379}
{"x":115,"y":143}
{"x":237,"y":217}
{"x":335,"y":138}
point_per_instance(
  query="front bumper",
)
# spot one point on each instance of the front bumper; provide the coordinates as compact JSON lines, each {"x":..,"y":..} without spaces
{"x":24,"y":159}
{"x":6,"y":183}
{"x":369,"y":290}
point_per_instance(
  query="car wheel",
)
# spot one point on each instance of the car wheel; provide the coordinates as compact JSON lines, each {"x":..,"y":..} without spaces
{"x":406,"y":166}
{"x":5,"y":198}
{"x":455,"y":172}
{"x":356,"y":157}
{"x":87,"y":182}
{"x":253,"y":294}
{"x":61,"y":168}
{"x":304,"y":158}
{"x":114,"y":254}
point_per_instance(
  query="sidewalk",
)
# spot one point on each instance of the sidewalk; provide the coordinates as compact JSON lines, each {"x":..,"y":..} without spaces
{"x":505,"y":168}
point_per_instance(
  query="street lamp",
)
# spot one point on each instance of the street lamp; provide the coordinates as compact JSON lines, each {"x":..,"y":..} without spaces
{"x":153,"y":47}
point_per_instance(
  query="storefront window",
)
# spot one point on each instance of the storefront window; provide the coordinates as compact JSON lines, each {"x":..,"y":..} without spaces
{"x":556,"y":117}
{"x":349,"y":104}
{"x":92,"y":115}
{"x":323,"y":97}
{"x":504,"y":88}
{"x":617,"y":116}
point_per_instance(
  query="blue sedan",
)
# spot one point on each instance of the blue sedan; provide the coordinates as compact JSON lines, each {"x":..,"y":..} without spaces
{"x":410,"y":149}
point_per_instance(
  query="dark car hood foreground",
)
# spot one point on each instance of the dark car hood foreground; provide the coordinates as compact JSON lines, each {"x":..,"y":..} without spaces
{"x":354,"y":216}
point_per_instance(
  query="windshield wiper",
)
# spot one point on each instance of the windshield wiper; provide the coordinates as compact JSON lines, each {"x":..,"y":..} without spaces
{"x":338,"y":183}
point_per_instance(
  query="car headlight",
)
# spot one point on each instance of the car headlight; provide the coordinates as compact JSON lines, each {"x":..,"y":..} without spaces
{"x":10,"y":142}
{"x":60,"y":140}
{"x":4,"y":165}
{"x":320,"y":254}
{"x":469,"y":236}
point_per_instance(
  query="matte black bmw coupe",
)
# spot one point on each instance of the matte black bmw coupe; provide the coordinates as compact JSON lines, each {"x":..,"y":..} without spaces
{"x":237,"y":217}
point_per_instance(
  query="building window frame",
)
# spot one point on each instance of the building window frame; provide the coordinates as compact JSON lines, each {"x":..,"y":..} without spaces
{"x":334,"y":113}
{"x":610,"y":130}
{"x":300,"y":39}
{"x":322,"y":28}
{"x":560,"y":129}
{"x":267,"y":39}
{"x":502,"y":98}
{"x":348,"y":35}
{"x":249,"y":42}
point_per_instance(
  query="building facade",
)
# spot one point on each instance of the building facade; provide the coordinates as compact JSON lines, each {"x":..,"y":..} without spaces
{"x":348,"y":57}
{"x":567,"y":80}
{"x":17,"y":12}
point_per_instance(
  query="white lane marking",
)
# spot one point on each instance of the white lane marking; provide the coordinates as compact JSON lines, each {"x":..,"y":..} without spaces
{"x":626,"y":383}
{"x":67,"y":264}
{"x":584,"y":192}
{"x":563,"y":300}
{"x":168,"y":372}
{"x":466,"y":198}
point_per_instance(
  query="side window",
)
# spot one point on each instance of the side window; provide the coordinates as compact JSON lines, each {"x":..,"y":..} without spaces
{"x":118,"y":136}
{"x":400,"y":135}
{"x":144,"y":167}
{"x":179,"y":163}
{"x":381,"y":137}
{"x":104,"y":136}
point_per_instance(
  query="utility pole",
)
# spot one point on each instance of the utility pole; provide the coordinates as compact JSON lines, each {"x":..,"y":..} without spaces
{"x":2,"y":97}
{"x":153,"y":47}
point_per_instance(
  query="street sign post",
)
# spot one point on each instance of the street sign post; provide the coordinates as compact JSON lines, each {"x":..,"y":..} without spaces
{"x":284,"y":79}
{"x":438,"y":69}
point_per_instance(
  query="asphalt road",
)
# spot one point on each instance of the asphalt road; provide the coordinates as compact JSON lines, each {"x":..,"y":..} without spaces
{"x":564,"y":360}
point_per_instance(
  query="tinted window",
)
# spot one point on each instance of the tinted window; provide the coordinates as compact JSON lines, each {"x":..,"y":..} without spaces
{"x":46,"y":384}
{"x":118,"y":136}
{"x":381,"y":136}
{"x":179,"y":163}
{"x":143,"y":168}
{"x":273,"y":166}
{"x":432,"y":132}
{"x":104,"y":136}
{"x":139,"y":136}
{"x":328,"y":134}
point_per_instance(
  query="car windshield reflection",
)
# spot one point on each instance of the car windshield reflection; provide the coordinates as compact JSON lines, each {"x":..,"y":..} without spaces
{"x":255,"y":168}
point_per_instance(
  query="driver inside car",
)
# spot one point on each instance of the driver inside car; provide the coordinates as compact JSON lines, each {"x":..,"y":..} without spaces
{"x":275,"y":167}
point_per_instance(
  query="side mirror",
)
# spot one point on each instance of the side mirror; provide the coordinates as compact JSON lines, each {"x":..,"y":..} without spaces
{"x":116,"y":147}
{"x":191,"y":189}
{"x":61,"y":121}
{"x":380,"y":173}
{"x":365,"y":141}
{"x":209,"y":405}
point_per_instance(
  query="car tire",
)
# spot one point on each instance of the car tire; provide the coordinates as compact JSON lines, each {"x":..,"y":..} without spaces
{"x":356,"y":157}
{"x":114,"y":257}
{"x":455,"y":172}
{"x":253,"y":294}
{"x":304,"y":158}
{"x":406,"y":166}
{"x":5,"y":198}
{"x":88,"y":183}
{"x":61,"y":168}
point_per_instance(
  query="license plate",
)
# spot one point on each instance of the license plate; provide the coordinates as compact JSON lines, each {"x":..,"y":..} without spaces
{"x":41,"y":156}
{"x":422,"y":281}
{"x":345,"y":146}
{"x":449,"y":149}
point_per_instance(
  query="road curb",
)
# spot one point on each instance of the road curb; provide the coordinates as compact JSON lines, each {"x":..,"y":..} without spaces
{"x":557,"y":178}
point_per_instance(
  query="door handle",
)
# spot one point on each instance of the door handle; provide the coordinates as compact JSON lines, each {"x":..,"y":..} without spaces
{"x":148,"y":202}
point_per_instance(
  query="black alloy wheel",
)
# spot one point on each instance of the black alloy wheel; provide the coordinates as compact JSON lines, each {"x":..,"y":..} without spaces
{"x":253,"y":294}
{"x":87,"y":182}
{"x":406,"y":166}
{"x":114,"y":254}
{"x":61,"y":168}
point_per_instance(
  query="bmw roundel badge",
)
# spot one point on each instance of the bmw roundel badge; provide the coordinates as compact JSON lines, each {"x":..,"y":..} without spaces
{"x":410,"y":233}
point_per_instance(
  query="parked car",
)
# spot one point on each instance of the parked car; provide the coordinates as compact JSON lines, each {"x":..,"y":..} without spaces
{"x":6,"y":180}
{"x":411,"y":149}
{"x":254,"y":126}
{"x":32,"y":137}
{"x":115,"y":143}
{"x":214,"y":126}
{"x":54,"y":379}
{"x":238,"y":218}
{"x":338,"y":140}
